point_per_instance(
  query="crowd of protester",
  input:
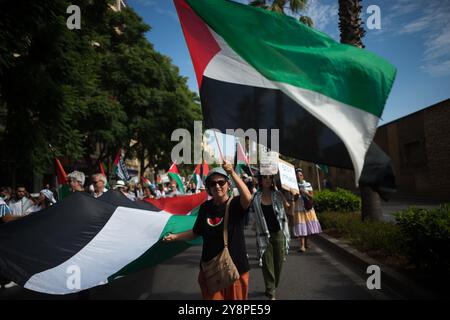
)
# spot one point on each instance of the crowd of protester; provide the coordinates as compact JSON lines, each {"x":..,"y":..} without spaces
{"x":276,"y":215}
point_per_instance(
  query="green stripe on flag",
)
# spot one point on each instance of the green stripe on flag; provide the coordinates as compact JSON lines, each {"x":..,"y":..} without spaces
{"x":162,"y":251}
{"x":284,"y":50}
{"x":63,"y":191}
{"x":177,"y":179}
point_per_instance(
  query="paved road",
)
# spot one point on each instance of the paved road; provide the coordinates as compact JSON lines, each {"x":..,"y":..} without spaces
{"x":316,"y":274}
{"x":395,"y":205}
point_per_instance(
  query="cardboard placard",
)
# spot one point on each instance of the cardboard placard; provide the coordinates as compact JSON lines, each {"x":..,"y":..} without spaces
{"x":288,"y":178}
{"x":268,"y":161}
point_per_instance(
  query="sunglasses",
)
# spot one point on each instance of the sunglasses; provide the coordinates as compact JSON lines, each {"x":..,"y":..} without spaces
{"x":221,"y":183}
{"x":267,"y":177}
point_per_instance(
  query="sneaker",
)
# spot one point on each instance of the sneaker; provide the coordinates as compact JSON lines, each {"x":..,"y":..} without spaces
{"x":260,"y":263}
{"x":10,"y":285}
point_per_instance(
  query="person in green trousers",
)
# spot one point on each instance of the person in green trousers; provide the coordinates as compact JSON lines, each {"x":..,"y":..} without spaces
{"x":272,"y":231}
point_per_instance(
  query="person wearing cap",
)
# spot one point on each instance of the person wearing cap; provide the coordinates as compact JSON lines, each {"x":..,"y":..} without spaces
{"x":76,"y":181}
{"x":209,"y":225}
{"x":44,"y":200}
{"x":304,"y":216}
{"x":122,"y":187}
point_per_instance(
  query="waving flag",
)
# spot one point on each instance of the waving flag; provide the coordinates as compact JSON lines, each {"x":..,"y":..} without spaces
{"x":200,"y":172}
{"x":241,"y":160}
{"x":62,"y":186}
{"x":102,"y":239}
{"x":145,"y":182}
{"x":175,"y":175}
{"x":120,"y":169}
{"x":262,"y":70}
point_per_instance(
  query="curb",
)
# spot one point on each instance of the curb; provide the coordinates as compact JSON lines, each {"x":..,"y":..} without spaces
{"x":407,"y":287}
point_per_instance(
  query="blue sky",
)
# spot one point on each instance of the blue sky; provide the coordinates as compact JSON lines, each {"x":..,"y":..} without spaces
{"x":414,"y":37}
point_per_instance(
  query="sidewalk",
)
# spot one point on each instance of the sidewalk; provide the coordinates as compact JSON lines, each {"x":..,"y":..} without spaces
{"x":403,"y":285}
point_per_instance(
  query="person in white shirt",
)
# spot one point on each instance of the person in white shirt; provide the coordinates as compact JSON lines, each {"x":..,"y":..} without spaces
{"x":99,"y":183}
{"x":20,"y":205}
{"x":304,"y":215}
{"x":4,"y":209}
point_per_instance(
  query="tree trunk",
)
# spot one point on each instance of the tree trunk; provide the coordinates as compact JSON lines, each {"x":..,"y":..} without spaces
{"x":370,"y":205}
{"x":350,"y":24}
{"x":142,"y":164}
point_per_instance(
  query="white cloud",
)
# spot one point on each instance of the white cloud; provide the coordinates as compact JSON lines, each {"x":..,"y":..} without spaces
{"x":322,"y":14}
{"x":429,"y":22}
{"x":438,"y":45}
{"x":403,"y":7}
{"x":441,"y":69}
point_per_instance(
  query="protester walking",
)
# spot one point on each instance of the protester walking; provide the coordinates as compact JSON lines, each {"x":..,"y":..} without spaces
{"x":220,"y":222}
{"x":304,"y":217}
{"x":272,"y":231}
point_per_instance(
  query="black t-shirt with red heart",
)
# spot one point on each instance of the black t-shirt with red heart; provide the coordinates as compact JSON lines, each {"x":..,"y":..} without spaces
{"x":209,"y":225}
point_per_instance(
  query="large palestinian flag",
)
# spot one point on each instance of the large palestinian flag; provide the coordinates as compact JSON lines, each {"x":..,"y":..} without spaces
{"x":263,"y":70}
{"x":101,"y":239}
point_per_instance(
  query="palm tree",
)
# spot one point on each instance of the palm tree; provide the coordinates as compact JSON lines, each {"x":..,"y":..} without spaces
{"x":280,"y":5}
{"x":352,"y":32}
{"x":350,"y":23}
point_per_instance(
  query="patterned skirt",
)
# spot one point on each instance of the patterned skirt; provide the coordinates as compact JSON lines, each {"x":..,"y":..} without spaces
{"x":306,"y":223}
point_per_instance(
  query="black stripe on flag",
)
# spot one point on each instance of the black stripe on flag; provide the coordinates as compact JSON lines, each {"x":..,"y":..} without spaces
{"x":248,"y":107}
{"x":46,"y":239}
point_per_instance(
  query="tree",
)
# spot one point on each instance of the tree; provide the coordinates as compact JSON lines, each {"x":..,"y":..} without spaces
{"x":280,"y":6}
{"x":352,"y":32}
{"x":86,"y":92}
{"x":154,"y":96}
{"x":36,"y":84}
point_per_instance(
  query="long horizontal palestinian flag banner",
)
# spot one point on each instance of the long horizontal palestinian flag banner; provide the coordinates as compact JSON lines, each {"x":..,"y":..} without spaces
{"x":102,"y":238}
{"x":263,"y":70}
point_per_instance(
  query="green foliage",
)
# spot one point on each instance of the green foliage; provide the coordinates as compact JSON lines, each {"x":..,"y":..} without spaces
{"x":281,"y":6}
{"x":88,"y":91}
{"x":421,"y":235}
{"x":427,"y":234}
{"x":340,"y":201}
{"x":379,"y":237}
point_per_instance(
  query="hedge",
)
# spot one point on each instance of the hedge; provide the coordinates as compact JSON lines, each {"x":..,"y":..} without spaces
{"x":340,"y":200}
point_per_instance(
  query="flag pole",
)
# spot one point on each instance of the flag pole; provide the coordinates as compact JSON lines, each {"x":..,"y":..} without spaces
{"x":218,"y":145}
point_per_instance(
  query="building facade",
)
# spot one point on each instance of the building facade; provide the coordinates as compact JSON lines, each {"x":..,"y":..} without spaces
{"x":419,"y":147}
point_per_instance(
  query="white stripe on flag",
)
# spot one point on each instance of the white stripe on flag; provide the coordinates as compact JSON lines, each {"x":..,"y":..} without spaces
{"x":126,"y":236}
